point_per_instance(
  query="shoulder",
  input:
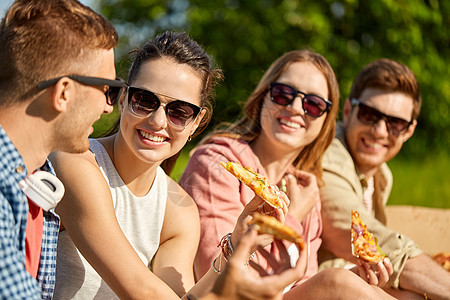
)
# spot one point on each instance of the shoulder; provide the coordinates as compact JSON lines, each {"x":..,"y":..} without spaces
{"x":180,"y":210}
{"x":337,"y":158}
{"x":63,"y":159}
{"x":178,"y":197}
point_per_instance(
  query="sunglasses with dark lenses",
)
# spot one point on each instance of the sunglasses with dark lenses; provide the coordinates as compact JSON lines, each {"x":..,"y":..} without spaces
{"x":112,"y":88}
{"x":371,"y":116}
{"x":143,"y":102}
{"x":313,"y":105}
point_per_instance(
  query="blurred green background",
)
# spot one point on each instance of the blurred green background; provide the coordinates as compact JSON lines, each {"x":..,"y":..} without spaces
{"x":245,"y":37}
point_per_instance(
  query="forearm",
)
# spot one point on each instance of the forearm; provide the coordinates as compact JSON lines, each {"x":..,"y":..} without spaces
{"x":423,"y":276}
{"x":206,"y":283}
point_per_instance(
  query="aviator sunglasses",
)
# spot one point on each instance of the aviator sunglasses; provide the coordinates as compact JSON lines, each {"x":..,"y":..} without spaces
{"x":371,"y":116}
{"x":313,"y":105}
{"x":144,"y":102}
{"x":111,"y":88}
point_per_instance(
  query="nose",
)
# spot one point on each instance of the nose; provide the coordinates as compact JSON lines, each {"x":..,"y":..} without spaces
{"x":297,"y":105}
{"x":158,"y":118}
{"x":381,"y":128}
{"x":108,"y":108}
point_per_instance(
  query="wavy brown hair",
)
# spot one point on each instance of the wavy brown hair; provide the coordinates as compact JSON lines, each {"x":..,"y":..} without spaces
{"x":249,"y":126}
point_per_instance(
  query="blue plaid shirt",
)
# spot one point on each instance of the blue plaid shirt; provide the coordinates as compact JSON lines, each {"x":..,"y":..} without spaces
{"x":15,"y":281}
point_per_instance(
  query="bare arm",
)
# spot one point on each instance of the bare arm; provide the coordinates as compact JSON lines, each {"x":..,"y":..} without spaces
{"x":88,"y":215}
{"x":424,"y":276}
{"x":173,"y":262}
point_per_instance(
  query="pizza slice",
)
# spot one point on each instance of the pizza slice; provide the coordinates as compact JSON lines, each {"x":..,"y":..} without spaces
{"x":443,"y":259}
{"x":364,"y":244}
{"x":258,"y":183}
{"x":270,"y":225}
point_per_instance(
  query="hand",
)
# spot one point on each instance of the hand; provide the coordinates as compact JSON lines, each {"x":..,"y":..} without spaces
{"x":239,"y":282}
{"x":259,"y":205}
{"x":375,"y":274}
{"x":303,"y":191}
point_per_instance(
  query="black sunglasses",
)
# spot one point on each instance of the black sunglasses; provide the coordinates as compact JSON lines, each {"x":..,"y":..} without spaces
{"x":112,"y":87}
{"x":313,"y":105}
{"x":144,"y":102}
{"x":371,"y":116}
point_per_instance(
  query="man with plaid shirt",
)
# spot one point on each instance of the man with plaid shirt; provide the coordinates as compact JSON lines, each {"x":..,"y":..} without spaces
{"x":44,"y":107}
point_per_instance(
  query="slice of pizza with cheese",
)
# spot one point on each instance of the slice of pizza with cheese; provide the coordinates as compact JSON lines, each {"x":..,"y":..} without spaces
{"x":364,"y":244}
{"x":443,"y":259}
{"x":270,"y":225}
{"x":258,"y":183}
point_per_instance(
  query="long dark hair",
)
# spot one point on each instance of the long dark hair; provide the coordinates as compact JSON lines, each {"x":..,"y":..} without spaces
{"x":183,"y":50}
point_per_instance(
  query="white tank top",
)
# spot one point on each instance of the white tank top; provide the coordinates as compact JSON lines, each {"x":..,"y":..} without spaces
{"x":141,"y":220}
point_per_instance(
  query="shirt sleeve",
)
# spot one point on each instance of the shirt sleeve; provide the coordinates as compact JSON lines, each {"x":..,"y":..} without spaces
{"x":339,"y":197}
{"x":218,"y":197}
{"x":15,"y":281}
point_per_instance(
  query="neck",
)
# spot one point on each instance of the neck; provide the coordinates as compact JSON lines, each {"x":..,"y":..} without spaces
{"x":29,"y":134}
{"x":367,"y":171}
{"x":275,"y":161}
{"x":136,"y":174}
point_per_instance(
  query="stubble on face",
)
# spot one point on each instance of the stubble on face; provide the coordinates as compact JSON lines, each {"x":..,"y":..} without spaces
{"x":87,"y":104}
{"x":372,"y":145}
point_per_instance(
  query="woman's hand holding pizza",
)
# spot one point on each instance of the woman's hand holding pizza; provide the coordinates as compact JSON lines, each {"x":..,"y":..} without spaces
{"x":303,"y":192}
{"x":257,"y":204}
{"x":237,"y":282}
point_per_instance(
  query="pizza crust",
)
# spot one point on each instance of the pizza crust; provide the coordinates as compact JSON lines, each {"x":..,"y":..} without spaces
{"x":270,"y":225}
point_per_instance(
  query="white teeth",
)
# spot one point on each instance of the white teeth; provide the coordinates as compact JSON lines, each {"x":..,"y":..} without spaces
{"x":151,"y":137}
{"x":289,"y":123}
{"x":374,"y":145}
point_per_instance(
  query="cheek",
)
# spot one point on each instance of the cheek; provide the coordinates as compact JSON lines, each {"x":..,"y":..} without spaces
{"x":268,"y":115}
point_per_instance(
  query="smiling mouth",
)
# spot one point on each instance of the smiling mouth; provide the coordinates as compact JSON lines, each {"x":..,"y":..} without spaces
{"x":373,"y":145}
{"x":151,"y":137}
{"x":290,"y":124}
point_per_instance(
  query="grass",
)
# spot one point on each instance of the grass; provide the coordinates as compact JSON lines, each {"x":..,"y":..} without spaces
{"x":419,"y":182}
{"x":422,"y":181}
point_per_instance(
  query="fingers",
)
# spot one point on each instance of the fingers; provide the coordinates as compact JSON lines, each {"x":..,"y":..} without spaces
{"x":388,"y":265}
{"x":302,"y":261}
{"x":247,"y":241}
{"x":375,"y":274}
{"x":281,"y":213}
{"x":304,"y":178}
{"x":254,"y":204}
{"x":382,"y":274}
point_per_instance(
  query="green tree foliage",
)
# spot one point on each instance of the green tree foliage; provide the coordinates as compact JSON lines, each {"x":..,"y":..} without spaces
{"x":245,"y":37}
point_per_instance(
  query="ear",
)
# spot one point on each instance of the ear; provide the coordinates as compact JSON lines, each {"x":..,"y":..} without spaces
{"x":63,"y":92}
{"x":347,"y":111}
{"x":197,"y":121}
{"x":410,"y":131}
{"x":121,"y":104}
